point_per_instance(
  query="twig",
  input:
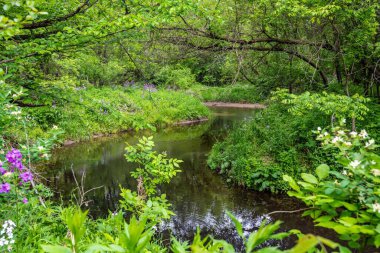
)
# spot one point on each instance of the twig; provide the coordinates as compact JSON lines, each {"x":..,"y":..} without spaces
{"x":80,"y":187}
{"x":293,"y":211}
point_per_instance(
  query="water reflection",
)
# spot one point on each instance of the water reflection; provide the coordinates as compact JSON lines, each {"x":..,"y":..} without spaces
{"x":199,"y":197}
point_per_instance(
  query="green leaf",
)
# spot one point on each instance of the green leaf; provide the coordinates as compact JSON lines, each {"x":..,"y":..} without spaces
{"x":350,"y":206}
{"x":348,"y":221}
{"x":324,"y":218}
{"x":377,"y":241}
{"x":269,"y":250}
{"x":328,"y":242}
{"x":238,"y":225}
{"x":344,"y":250}
{"x":309,"y":178}
{"x":322,"y":171}
{"x":291,"y":182}
{"x":55,"y":249}
{"x":306,"y":243}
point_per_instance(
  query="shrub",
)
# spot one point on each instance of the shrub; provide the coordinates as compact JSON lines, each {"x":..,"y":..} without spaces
{"x":175,"y":77}
{"x":258,"y":153}
{"x":346,"y":198}
{"x":231,"y":93}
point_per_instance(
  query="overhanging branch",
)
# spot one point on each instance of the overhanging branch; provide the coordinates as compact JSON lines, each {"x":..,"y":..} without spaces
{"x":48,"y":22}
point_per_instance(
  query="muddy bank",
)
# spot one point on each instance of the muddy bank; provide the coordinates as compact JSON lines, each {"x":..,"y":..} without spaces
{"x":235,"y":105}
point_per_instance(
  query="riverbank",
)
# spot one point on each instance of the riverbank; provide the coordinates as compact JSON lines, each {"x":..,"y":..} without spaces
{"x":92,"y":112}
{"x":235,"y":105}
{"x":98,"y":112}
{"x":215,"y":104}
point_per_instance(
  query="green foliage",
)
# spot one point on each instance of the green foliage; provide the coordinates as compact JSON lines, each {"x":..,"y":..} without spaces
{"x":333,"y":105}
{"x":154,"y":169}
{"x":279,"y":140}
{"x":9,"y":24}
{"x":153,"y":209}
{"x":50,"y":228}
{"x":175,"y":77}
{"x":86,"y":112}
{"x":135,"y":238}
{"x":255,"y":240}
{"x":52,"y":53}
{"x":259,"y":152}
{"x":345,"y":200}
{"x":232,"y":93}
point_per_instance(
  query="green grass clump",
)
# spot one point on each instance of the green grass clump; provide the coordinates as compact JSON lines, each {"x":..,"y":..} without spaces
{"x":110,"y":110}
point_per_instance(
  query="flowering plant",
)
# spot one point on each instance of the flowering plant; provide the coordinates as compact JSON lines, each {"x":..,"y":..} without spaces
{"x":15,"y":178}
{"x":6,"y":235}
{"x":150,"y":87}
{"x":345,"y":196}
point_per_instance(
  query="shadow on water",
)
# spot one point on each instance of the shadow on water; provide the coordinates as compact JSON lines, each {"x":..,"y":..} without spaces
{"x":199,"y":197}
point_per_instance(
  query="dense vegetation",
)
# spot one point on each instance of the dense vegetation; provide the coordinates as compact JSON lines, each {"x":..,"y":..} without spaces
{"x":73,"y":69}
{"x":279,"y":140}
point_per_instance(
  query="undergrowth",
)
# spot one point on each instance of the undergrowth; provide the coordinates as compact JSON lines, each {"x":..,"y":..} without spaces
{"x":108,"y":110}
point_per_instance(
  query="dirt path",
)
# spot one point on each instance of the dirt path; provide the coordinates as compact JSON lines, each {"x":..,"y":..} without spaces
{"x":235,"y":105}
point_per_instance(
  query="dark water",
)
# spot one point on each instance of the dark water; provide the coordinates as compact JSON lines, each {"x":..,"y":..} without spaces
{"x":199,"y":196}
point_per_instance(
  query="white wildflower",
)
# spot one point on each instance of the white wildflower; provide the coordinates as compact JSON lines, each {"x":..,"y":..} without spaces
{"x":344,"y":172}
{"x":354,"y":163}
{"x":336,"y":139}
{"x":375,"y":172}
{"x":369,"y":143}
{"x":325,"y":133}
{"x":348,"y":143}
{"x":341,"y":132}
{"x":353,"y":134}
{"x":16,"y":112}
{"x":55,"y":127}
{"x":6,"y":234}
{"x":376,"y":207}
{"x":40,"y":148}
{"x":363,"y":134}
{"x":319,"y":129}
{"x":373,"y":162}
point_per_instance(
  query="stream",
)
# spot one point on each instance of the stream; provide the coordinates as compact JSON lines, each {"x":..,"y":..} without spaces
{"x":198,"y":195}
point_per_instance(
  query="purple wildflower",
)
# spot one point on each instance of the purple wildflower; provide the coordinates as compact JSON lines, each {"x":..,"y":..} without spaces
{"x":14,"y":158}
{"x":5,"y":188}
{"x":2,"y":170}
{"x":24,"y":200}
{"x":26,"y":176}
{"x":129,"y":83}
{"x":150,"y":87}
